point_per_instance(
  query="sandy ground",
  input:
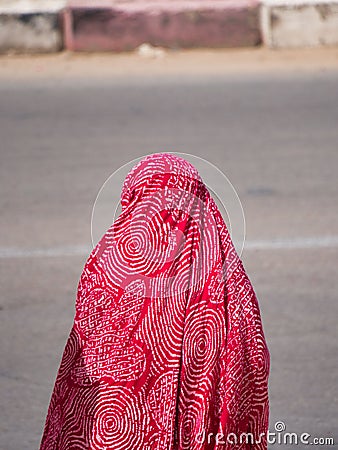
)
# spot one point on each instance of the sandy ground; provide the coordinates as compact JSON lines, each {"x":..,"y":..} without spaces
{"x":190,"y":62}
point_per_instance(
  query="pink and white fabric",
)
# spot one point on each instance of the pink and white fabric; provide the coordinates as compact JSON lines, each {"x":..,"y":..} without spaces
{"x":167,"y":349}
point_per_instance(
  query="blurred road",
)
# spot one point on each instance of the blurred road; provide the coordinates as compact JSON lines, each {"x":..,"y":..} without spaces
{"x":67,"y":123}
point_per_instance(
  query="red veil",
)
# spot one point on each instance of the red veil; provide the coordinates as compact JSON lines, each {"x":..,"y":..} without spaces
{"x":167,"y":349}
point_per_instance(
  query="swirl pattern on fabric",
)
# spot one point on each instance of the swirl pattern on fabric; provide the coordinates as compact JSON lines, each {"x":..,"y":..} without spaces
{"x":167,"y":344}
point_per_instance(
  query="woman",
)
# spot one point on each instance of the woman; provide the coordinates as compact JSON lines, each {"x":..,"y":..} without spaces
{"x":167,"y":349}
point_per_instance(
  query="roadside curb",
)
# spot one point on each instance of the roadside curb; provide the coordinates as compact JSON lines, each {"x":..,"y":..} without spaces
{"x":31,"y":27}
{"x":35,"y":26}
{"x":121,"y":26}
{"x":299,"y":23}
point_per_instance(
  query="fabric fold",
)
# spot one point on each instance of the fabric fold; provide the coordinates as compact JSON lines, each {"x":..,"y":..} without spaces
{"x":167,"y":349}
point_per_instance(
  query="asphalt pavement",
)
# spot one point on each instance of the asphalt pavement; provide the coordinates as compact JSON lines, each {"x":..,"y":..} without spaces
{"x":273,"y":133}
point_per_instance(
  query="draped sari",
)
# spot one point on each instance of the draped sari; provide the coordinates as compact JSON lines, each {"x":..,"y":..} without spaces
{"x":167,"y":349}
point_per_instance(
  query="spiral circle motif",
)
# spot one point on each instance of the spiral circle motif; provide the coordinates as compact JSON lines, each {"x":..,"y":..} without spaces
{"x":203,"y":341}
{"x":155,"y":235}
{"x":280,"y":426}
{"x":120,"y":420}
{"x":192,"y":425}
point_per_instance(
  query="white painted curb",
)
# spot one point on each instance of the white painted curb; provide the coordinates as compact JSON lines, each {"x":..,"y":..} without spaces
{"x":299,"y":23}
{"x":31,"y":26}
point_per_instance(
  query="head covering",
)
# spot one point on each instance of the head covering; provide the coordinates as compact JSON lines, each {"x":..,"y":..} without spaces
{"x":167,"y":349}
